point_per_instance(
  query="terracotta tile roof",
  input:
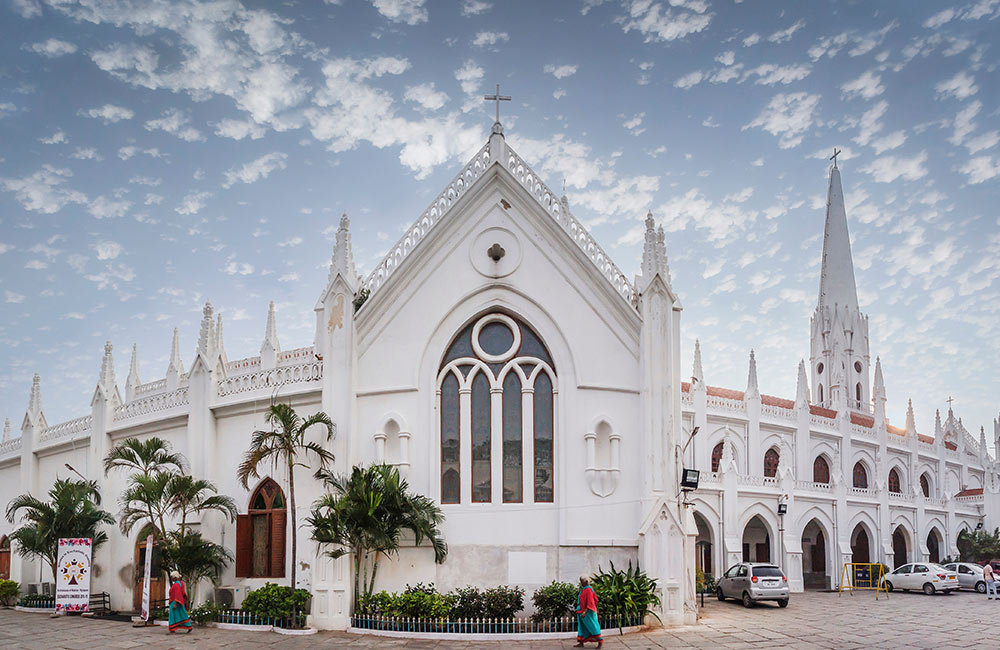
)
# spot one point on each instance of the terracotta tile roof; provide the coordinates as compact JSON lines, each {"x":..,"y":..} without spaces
{"x":770,"y":400}
{"x":928,"y":439}
{"x":950,"y":445}
{"x":819,"y":410}
{"x":899,"y":431}
{"x":728,"y":393}
{"x":866,"y":421}
{"x":972,"y":492}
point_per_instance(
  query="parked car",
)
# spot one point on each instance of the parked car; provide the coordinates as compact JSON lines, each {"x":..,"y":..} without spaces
{"x":929,"y":577}
{"x":970,"y":576}
{"x":751,"y":583}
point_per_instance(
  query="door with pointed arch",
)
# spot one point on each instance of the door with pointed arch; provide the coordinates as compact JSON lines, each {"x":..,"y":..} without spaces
{"x":157,"y":584}
{"x":4,"y":558}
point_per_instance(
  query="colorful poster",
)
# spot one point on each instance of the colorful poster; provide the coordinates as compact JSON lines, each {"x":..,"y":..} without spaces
{"x":73,"y":574}
{"x":145,"y":580}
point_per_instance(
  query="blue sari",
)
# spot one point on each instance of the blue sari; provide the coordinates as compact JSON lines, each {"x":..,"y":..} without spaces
{"x":177,"y":616}
{"x":588,"y":628}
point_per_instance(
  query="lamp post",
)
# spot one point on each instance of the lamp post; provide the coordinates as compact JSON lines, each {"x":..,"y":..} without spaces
{"x":73,"y":469}
{"x":782,"y":509}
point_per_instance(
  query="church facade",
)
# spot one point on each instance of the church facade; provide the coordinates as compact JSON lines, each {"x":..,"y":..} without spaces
{"x":514,"y":374}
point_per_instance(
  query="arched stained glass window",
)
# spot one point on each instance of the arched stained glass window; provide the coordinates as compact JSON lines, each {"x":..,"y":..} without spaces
{"x":497,"y":395}
{"x":925,"y":485}
{"x":894,"y":484}
{"x":860,"y":476}
{"x":771,"y":462}
{"x":821,"y":470}
{"x":717,"y":457}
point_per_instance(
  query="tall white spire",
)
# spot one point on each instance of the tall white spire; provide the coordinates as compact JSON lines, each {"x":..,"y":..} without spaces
{"x":107,"y":378}
{"x":836,"y":280}
{"x":35,"y":403}
{"x":752,"y":390}
{"x":697,"y":373}
{"x":270,"y":348}
{"x":911,"y":425}
{"x":206,"y":336}
{"x":802,"y":387}
{"x":133,"y":375}
{"x":175,"y":355}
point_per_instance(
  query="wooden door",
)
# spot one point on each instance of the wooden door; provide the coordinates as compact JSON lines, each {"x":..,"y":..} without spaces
{"x":157,"y":585}
{"x":5,"y":564}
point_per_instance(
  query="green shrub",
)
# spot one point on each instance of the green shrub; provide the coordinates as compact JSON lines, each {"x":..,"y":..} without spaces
{"x":206,"y":613}
{"x":159,"y":614}
{"x":554,"y":601}
{"x":276,"y":601}
{"x":629,"y":594}
{"x":8,"y":592}
{"x":469,"y":603}
{"x":502,"y":601}
{"x":704,"y":582}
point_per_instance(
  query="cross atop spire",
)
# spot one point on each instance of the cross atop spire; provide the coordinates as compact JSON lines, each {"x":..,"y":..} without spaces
{"x":836,"y":152}
{"x":497,"y":97}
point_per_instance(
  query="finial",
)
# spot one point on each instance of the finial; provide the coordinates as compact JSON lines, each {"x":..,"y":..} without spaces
{"x":650,"y":222}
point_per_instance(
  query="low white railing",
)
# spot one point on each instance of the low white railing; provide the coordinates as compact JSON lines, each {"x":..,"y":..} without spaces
{"x":291,"y":357}
{"x":813,"y":486}
{"x":243,"y":365}
{"x":863,"y":492}
{"x":900,"y":496}
{"x":152,"y":404}
{"x":710,"y":478}
{"x":777,"y":412}
{"x":10,"y":446}
{"x":757,"y":481}
{"x":972,"y":498}
{"x":152,"y":387}
{"x":725,"y":404}
{"x":951,"y":453}
{"x":863,"y":431}
{"x":281,"y":376}
{"x":65,"y":429}
{"x":431,"y":216}
{"x":548,"y":200}
{"x":822,"y":421}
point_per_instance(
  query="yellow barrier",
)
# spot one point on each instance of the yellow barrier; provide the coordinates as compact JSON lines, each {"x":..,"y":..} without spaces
{"x":864,"y":576}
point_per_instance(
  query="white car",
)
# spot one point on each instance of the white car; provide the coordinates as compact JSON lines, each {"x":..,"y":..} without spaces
{"x":926,"y":576}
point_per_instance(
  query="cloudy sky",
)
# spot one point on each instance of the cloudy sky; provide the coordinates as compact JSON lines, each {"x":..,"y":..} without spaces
{"x":157,"y":154}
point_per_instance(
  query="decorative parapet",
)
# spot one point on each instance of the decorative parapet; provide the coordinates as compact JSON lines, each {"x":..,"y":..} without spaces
{"x":901,"y":496}
{"x":757,"y":481}
{"x":547,"y":199}
{"x":819,"y":420}
{"x":243,"y":365}
{"x":687,"y":398}
{"x":311,"y":371}
{"x":972,"y":498}
{"x":725,"y":404}
{"x":152,"y":404}
{"x":10,"y":446}
{"x":863,"y":492}
{"x":431,"y":216}
{"x":812,"y":486}
{"x":862,"y":431}
{"x":67,"y":429}
{"x":710,"y":478}
{"x":157,"y":386}
{"x":951,"y":453}
{"x":298,"y":355}
{"x":777,"y":412}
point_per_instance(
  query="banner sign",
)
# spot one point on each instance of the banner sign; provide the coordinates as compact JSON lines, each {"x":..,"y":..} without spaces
{"x":73,"y":574}
{"x":145,"y":580}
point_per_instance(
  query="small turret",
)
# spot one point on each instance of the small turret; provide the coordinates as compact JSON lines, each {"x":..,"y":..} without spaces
{"x":270,"y":348}
{"x":34,"y":416}
{"x":697,"y":373}
{"x":753,"y":392}
{"x":802,"y":387}
{"x":133,"y":375}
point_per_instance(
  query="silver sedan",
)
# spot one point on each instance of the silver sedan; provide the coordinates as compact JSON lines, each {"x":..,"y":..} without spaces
{"x":970,"y":576}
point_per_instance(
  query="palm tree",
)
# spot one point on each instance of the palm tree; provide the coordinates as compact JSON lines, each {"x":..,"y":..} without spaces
{"x":145,"y":500}
{"x":72,"y":511}
{"x":365,"y":515}
{"x":151,"y":463}
{"x":186,"y":495}
{"x":282,"y":445}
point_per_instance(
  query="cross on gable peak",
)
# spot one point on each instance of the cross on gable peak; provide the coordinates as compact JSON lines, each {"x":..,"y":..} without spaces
{"x":497,"y":97}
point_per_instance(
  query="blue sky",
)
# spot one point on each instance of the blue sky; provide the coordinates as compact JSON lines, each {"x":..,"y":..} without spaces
{"x":154,"y":155}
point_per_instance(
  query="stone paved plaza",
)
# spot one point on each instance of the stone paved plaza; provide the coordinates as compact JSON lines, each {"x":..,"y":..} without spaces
{"x":812,"y":620}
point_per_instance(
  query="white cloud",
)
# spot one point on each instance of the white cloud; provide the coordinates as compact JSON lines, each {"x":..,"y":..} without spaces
{"x":109,"y":113}
{"x":112,"y":274}
{"x":983,"y":142}
{"x":787,"y":116}
{"x":559,"y":93}
{"x":426,"y":96}
{"x":475,"y":7}
{"x":59,"y":137}
{"x":560,"y":71}
{"x":175,"y":122}
{"x":726,"y":58}
{"x":27,"y":8}
{"x":153,"y":199}
{"x":237,"y":268}
{"x":5,"y":247}
{"x":107,"y":250}
{"x":86,"y":153}
{"x":411,"y":12}
{"x":193,"y":203}
{"x":939,"y":18}
{"x":891,"y":141}
{"x":657,"y":22}
{"x":239,"y":129}
{"x":256,"y":170}
{"x":13,"y":297}
{"x":868,"y":86}
{"x":289,"y":277}
{"x":980,"y":169}
{"x":689,"y":80}
{"x":963,"y":124}
{"x":53,"y":48}
{"x":870,"y":122}
{"x":291,"y":241}
{"x":769,"y":74}
{"x":961,"y":86}
{"x":751,"y":40}
{"x":105,"y":208}
{"x":44,"y":190}
{"x":6,"y":109}
{"x":624,"y":196}
{"x":36,"y":265}
{"x":784,"y":35}
{"x":634,"y":124}
{"x":888,"y":168}
{"x":489,"y":39}
{"x":470,"y":75}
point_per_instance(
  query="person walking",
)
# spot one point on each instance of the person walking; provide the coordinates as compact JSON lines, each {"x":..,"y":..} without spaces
{"x":588,"y":627}
{"x":991,"y":582}
{"x":178,"y":615}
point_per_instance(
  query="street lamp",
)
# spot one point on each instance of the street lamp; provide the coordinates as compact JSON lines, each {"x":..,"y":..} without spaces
{"x":73,"y":469}
{"x":689,"y":477}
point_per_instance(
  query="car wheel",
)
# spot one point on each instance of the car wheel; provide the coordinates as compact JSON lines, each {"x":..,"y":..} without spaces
{"x":718,"y":594}
{"x":929,"y":589}
{"x":747,"y":601}
{"x":783,"y":602}
{"x":888,"y":586}
{"x":981,"y":587}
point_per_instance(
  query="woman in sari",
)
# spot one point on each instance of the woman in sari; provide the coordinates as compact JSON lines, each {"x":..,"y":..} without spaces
{"x":178,"y":615}
{"x":588,"y":629}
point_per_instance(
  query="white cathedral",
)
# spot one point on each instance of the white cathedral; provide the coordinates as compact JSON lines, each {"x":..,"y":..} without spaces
{"x":504,"y":363}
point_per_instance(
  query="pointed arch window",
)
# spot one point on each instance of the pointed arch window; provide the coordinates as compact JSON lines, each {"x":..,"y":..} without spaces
{"x":496,"y":400}
{"x":821,"y":393}
{"x":260,"y":534}
{"x":717,"y":457}
{"x":894,"y":484}
{"x":925,"y":486}
{"x":4,"y":558}
{"x":771,"y":462}
{"x":860,"y":476}
{"x":821,"y":470}
{"x":857,"y":393}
